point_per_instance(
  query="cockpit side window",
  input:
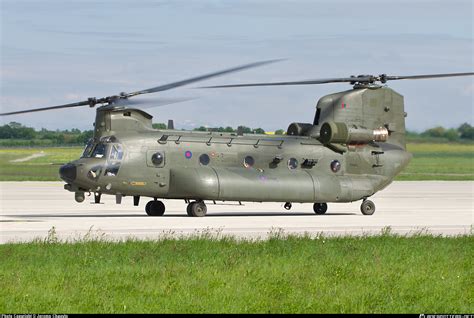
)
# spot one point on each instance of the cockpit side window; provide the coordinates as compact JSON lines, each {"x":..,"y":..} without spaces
{"x":116,"y":153}
{"x":114,"y":160}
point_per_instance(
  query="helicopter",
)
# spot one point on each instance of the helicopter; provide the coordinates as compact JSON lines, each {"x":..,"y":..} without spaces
{"x":354,"y":147}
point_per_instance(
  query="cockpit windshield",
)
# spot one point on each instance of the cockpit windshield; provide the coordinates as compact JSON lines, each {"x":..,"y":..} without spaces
{"x":99,"y":148}
{"x":87,"y":151}
{"x":99,"y":151}
{"x":95,"y":150}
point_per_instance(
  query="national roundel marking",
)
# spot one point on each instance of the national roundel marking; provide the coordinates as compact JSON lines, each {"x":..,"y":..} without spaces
{"x":188,"y":154}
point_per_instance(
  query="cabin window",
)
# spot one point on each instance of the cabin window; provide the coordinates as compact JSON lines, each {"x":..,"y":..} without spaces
{"x":292,"y":163}
{"x":335,"y":166}
{"x":249,"y":162}
{"x":204,"y":159}
{"x":158,"y":158}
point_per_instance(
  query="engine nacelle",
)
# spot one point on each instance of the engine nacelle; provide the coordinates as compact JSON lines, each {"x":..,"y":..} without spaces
{"x":299,"y":129}
{"x":341,"y":133}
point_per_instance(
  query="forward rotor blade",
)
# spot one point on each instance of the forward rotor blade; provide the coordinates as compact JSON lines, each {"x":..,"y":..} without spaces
{"x":83,"y":103}
{"x":156,"y":102}
{"x":116,"y":99}
{"x":199,"y":78}
{"x":306,"y":82}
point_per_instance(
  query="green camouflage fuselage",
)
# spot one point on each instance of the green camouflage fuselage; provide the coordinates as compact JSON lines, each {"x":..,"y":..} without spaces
{"x":297,"y":167}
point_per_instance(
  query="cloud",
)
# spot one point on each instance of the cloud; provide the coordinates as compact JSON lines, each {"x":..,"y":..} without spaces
{"x":468,"y":90}
{"x":57,"y":52}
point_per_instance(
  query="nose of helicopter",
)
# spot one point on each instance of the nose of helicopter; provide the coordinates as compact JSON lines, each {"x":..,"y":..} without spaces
{"x":68,"y":172}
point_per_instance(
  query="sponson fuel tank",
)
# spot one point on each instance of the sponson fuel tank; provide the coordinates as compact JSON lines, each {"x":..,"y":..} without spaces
{"x":240,"y":184}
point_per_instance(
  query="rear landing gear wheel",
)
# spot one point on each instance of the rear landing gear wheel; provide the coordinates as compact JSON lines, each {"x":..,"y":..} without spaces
{"x":367,"y":207}
{"x":197,"y":208}
{"x":320,"y":208}
{"x":155,"y":208}
{"x":188,"y":209}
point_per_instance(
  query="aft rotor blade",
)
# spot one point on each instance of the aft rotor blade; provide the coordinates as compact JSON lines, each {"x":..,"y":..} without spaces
{"x":362,"y":79}
{"x":391,"y":78}
{"x":83,"y":103}
{"x":199,"y":78}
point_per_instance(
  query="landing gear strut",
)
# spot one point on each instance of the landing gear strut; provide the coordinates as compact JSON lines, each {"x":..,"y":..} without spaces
{"x":197,"y":208}
{"x":155,"y":208}
{"x":97,"y":196}
{"x":320,"y":208}
{"x":367,"y":207}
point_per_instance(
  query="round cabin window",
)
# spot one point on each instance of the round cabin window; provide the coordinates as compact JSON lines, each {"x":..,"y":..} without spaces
{"x":157,"y":158}
{"x":249,"y":162}
{"x":204,"y":159}
{"x":335,"y":166}
{"x":292,"y":163}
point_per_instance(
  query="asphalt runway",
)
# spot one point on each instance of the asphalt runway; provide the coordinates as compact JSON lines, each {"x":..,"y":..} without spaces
{"x":30,"y":209}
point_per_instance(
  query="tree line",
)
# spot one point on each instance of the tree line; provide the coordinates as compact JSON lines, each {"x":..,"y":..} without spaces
{"x":463,"y":132}
{"x":15,"y":134}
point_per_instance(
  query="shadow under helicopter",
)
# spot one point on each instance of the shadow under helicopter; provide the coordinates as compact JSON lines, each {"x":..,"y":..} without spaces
{"x":228,"y":214}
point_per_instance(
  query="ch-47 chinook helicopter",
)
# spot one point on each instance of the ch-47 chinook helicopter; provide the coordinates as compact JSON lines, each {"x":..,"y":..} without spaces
{"x":354,"y":147}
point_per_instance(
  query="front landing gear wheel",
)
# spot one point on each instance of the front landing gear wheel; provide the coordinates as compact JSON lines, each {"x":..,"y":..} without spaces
{"x":367,"y":207}
{"x":197,"y":208}
{"x":155,"y":208}
{"x":320,"y":208}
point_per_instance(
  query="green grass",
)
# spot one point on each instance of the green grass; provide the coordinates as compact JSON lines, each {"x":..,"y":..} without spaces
{"x":431,"y":161}
{"x":43,"y":168}
{"x":381,"y":274}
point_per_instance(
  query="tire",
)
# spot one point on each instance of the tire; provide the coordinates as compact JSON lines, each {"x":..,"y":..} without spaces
{"x":367,"y":207}
{"x":188,"y":209}
{"x":156,"y":208}
{"x":320,"y":208}
{"x":147,"y":207}
{"x":198,"y":209}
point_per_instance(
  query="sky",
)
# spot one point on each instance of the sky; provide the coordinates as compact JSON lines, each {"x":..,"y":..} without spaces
{"x":57,"y":52}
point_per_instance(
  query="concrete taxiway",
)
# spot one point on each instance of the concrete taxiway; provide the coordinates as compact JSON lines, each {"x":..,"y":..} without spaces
{"x":30,"y":209}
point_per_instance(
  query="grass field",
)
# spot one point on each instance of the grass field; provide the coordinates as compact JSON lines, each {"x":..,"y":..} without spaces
{"x":381,"y":274}
{"x":431,"y":161}
{"x":42,"y":168}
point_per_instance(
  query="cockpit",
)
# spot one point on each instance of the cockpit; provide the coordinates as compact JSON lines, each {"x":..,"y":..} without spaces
{"x":107,"y":148}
